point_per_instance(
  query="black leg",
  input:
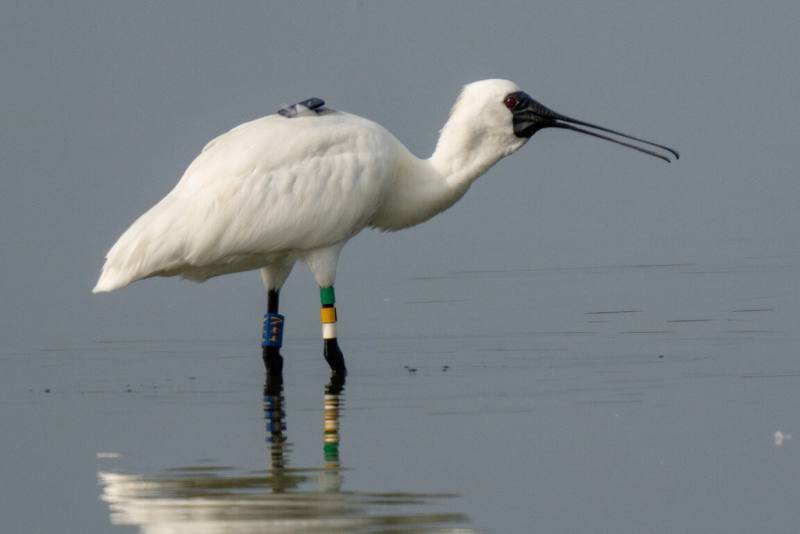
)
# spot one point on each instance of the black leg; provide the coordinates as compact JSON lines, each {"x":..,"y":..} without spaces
{"x":336,"y":384}
{"x":273,"y":337}
{"x":334,"y":357}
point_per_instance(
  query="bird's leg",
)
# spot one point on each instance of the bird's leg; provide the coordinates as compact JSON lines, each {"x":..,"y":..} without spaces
{"x":333,"y":355}
{"x":273,"y":336}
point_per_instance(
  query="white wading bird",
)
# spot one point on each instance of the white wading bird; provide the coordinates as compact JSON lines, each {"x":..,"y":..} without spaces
{"x":299,"y":184}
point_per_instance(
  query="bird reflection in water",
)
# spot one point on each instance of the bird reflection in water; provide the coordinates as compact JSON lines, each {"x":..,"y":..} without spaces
{"x":200,"y":499}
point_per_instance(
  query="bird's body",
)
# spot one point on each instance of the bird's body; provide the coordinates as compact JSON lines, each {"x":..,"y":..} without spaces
{"x":269,"y":191}
{"x":299,"y":184}
{"x":275,"y":191}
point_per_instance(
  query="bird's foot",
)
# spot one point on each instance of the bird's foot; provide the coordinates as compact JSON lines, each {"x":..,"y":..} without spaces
{"x":273,"y":386}
{"x":336,"y":384}
{"x":273,"y":361}
{"x":334,"y":357}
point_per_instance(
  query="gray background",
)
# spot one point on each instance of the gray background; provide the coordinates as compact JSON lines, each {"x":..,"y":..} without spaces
{"x":551,"y":289}
{"x":105,"y":104}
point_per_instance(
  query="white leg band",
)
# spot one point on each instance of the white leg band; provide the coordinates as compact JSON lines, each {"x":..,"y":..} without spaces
{"x":328,"y":330}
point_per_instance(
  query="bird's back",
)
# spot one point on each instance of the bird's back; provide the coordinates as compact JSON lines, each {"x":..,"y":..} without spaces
{"x":268,"y":188}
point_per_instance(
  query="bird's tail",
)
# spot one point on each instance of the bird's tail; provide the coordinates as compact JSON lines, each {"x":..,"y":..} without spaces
{"x":145,"y":249}
{"x":110,"y":279}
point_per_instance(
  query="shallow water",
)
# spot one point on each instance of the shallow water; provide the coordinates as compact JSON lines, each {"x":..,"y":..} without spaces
{"x":630,"y":398}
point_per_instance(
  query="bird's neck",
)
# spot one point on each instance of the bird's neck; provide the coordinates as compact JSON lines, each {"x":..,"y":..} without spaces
{"x":423,"y":188}
{"x":463,"y":154}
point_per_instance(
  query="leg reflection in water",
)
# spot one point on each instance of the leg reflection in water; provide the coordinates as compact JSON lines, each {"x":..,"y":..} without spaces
{"x":282,"y":478}
{"x":331,"y":478}
{"x":219,"y":498}
{"x":275,"y":422}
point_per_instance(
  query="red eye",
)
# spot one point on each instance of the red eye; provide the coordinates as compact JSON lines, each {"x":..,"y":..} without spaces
{"x":511,"y":101}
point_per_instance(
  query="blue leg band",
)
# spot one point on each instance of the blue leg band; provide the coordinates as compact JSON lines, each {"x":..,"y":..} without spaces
{"x":273,"y":330}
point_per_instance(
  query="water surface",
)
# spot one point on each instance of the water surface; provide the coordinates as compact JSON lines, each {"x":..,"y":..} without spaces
{"x":629,"y":398}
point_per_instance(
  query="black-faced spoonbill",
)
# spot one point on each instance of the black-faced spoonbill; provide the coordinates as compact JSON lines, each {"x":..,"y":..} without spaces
{"x":299,"y":184}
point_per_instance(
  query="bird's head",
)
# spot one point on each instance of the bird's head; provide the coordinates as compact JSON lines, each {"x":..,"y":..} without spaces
{"x":499,"y":116}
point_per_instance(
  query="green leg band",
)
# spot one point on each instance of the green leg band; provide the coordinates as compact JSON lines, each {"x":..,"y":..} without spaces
{"x":327,"y":296}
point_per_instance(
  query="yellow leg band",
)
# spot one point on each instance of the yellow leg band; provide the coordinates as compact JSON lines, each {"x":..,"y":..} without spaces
{"x":327,"y":315}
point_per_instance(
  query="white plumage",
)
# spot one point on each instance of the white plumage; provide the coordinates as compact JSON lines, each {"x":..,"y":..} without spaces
{"x":276,"y":190}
